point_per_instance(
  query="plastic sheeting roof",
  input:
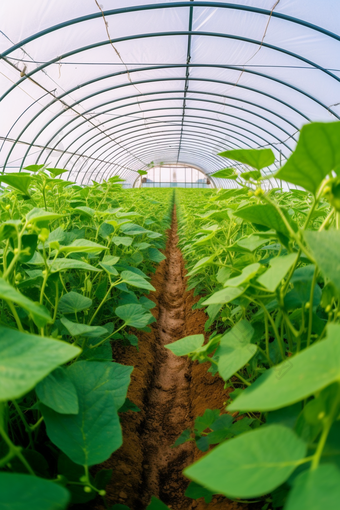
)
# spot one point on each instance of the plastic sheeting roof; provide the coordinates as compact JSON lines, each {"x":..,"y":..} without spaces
{"x":104,"y":88}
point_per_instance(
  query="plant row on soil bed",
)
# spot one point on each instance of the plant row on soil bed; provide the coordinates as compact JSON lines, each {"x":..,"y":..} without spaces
{"x":75,"y":266}
{"x":265,"y":264}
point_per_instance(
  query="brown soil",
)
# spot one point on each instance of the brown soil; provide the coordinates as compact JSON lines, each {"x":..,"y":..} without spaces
{"x":170,"y":392}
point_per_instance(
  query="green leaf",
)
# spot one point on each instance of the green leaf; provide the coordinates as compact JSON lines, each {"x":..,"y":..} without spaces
{"x":316,"y":155}
{"x":18,"y":181}
{"x":17,"y":491}
{"x":156,"y":504}
{"x":74,"y":303}
{"x":257,"y":158}
{"x":109,"y":269}
{"x":316,"y":490}
{"x":58,"y":392}
{"x":83,"y":246}
{"x":279,"y":267}
{"x":183,"y":438}
{"x":254,"y":175}
{"x":56,"y":171}
{"x":34,"y":168}
{"x":142,"y":172}
{"x":206,"y":421}
{"x":134,"y":315}
{"x":196,"y":491}
{"x":79,"y":329}
{"x":26,"y":359}
{"x":64,"y":264}
{"x":294,"y":379}
{"x":247,"y":274}
{"x":37,"y":215}
{"x":80,"y":436}
{"x":136,"y":281}
{"x":155,"y":255}
{"x":226,"y":173}
{"x":266,"y":215}
{"x":224,"y":296}
{"x":186,"y":345}
{"x":250,"y":465}
{"x":252,"y":242}
{"x":235,"y":349}
{"x":325,"y":246}
{"x":39,"y":313}
{"x":124,"y":241}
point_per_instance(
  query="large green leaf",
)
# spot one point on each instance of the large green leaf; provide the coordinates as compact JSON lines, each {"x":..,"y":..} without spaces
{"x":82,"y":246}
{"x":134,"y":315}
{"x":250,"y":465}
{"x":235,"y":349}
{"x":57,"y":171}
{"x":226,"y":173}
{"x":26,"y":359}
{"x":136,"y":281}
{"x":79,"y":329}
{"x":316,"y":490}
{"x":91,"y":436}
{"x":186,"y":345}
{"x":58,"y":392}
{"x":37,"y":215}
{"x":124,"y":241}
{"x":316,"y":155}
{"x":18,"y":181}
{"x":86,"y":211}
{"x":224,"y":296}
{"x":279,"y":267}
{"x":23,"y":492}
{"x":296,"y":378}
{"x":74,"y":303}
{"x":247,"y":274}
{"x":156,"y":504}
{"x":39,"y":313}
{"x":325,"y":247}
{"x":252,"y":242}
{"x":266,"y":215}
{"x":64,"y":264}
{"x":257,"y":158}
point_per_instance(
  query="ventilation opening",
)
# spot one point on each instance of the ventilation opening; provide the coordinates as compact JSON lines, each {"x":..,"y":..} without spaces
{"x":172,"y":176}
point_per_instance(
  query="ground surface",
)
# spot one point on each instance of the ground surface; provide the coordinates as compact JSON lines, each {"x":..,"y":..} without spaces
{"x":170,"y":392}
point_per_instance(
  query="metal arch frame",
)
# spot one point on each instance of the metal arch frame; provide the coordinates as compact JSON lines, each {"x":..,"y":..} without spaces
{"x":160,"y":109}
{"x":209,"y":126}
{"x":165,"y":136}
{"x":162,"y":99}
{"x":259,"y":136}
{"x":211,"y":157}
{"x":126,"y":10}
{"x":160,"y":34}
{"x":261,"y":129}
{"x":193,"y":79}
{"x":204,"y":4}
{"x":204,"y":157}
{"x":163,"y":139}
{"x":163,"y":34}
{"x":181,"y":165}
{"x":156,"y":135}
{"x":166,"y":34}
{"x":166,"y":79}
{"x":195,"y":124}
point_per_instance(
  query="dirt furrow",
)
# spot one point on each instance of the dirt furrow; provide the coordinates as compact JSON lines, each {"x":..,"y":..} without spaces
{"x":171,"y":392}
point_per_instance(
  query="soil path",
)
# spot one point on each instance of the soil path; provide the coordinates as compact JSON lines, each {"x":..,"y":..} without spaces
{"x":171,"y":392}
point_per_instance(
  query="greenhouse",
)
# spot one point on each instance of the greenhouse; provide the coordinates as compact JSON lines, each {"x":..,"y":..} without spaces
{"x":169,"y":255}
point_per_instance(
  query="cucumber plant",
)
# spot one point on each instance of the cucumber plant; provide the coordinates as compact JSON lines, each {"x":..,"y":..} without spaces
{"x":266,"y":266}
{"x":75,"y":264}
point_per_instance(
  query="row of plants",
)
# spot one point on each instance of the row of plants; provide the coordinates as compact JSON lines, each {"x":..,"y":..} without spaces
{"x":75,"y":268}
{"x":266,"y":265}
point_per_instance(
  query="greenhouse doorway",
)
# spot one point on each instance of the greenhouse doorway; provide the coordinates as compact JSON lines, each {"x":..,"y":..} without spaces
{"x":173,"y":176}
